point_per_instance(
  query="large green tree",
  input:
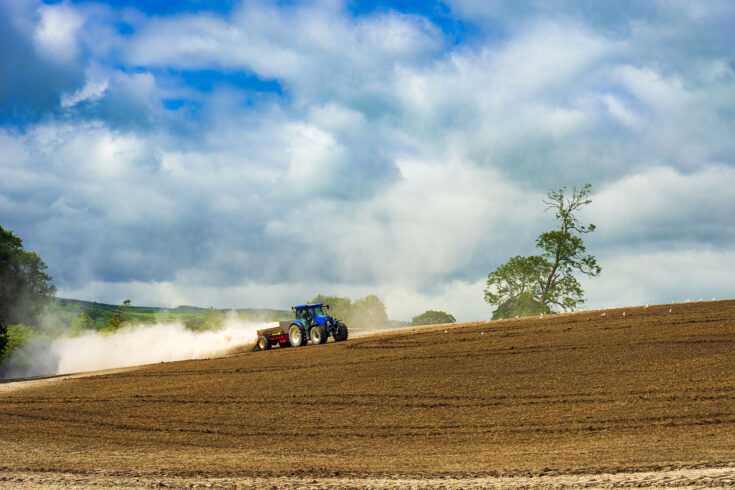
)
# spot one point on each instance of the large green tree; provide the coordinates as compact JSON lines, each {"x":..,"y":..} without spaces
{"x":25,"y":288}
{"x":542,"y":283}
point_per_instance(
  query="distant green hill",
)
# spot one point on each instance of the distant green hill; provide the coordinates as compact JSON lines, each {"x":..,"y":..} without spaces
{"x":66,"y":310}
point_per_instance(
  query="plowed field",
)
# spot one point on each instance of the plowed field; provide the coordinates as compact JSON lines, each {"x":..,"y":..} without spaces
{"x":533,"y":399}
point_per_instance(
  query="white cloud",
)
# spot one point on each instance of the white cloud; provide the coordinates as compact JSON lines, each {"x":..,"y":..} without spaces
{"x":621,"y":111}
{"x":206,"y":41}
{"x":56,"y":33}
{"x":664,"y":206}
{"x":317,"y":50}
{"x":421,"y":230}
{"x":89,"y":151}
{"x":93,"y":89}
{"x":698,"y":9}
{"x":97,"y":82}
{"x":520,"y":106}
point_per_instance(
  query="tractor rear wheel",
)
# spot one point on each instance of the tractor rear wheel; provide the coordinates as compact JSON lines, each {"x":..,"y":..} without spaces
{"x":263,"y":343}
{"x":318,"y":334}
{"x":296,"y":336}
{"x":340,"y":332}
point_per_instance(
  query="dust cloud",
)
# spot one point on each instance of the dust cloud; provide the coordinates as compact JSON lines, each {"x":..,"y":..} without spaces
{"x":135,"y":345}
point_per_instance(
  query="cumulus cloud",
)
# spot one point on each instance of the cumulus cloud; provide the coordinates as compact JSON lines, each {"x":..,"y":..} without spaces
{"x":662,"y":207}
{"x":94,"y":88}
{"x":316,"y":49}
{"x":263,"y":154}
{"x":55,"y":35}
{"x":33,"y":77}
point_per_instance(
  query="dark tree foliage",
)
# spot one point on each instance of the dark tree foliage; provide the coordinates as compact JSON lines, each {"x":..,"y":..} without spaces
{"x":539,"y":283}
{"x":525,"y":304}
{"x":432,"y":317}
{"x":519,"y":276}
{"x":25,"y":288}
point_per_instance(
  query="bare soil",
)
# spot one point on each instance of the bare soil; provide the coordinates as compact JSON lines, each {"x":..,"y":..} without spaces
{"x":582,"y":400}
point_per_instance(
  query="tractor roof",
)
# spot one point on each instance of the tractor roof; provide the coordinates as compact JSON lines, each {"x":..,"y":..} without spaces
{"x":306,"y":306}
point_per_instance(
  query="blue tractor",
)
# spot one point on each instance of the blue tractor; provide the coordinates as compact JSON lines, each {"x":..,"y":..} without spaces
{"x":310,"y":323}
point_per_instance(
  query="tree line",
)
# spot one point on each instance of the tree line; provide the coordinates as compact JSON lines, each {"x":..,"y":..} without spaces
{"x":369,"y":313}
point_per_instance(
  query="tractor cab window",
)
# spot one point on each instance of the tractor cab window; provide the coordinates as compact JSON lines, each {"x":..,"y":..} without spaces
{"x":301,"y":315}
{"x":315,"y":311}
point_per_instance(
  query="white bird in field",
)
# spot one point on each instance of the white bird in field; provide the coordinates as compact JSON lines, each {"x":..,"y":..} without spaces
{"x":700,"y":299}
{"x":603,"y":314}
{"x":669,"y":310}
{"x":687,"y":301}
{"x":645,"y":307}
{"x":482,"y":333}
{"x":623,"y":313}
{"x":446,"y":331}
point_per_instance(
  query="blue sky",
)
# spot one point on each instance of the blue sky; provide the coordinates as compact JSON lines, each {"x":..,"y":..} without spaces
{"x":259,"y":153}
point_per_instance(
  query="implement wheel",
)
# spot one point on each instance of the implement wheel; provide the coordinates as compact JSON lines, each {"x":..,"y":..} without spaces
{"x":263,"y":343}
{"x":296,"y":336}
{"x":318,"y":334}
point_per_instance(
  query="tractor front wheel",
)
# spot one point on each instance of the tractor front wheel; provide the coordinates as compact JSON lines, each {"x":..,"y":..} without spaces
{"x":318,"y":334}
{"x":340,"y":333}
{"x":296,"y":336}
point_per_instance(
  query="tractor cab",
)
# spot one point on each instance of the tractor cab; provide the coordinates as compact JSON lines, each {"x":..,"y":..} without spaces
{"x":313,"y":314}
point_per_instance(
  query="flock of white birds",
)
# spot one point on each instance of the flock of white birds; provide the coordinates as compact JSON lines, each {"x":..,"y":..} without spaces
{"x":604,"y":313}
